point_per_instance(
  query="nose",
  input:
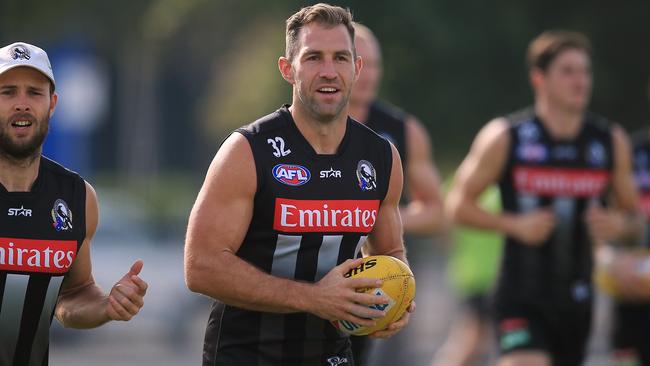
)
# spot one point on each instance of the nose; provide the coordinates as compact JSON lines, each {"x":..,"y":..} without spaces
{"x":328,"y":71}
{"x":22,"y":105}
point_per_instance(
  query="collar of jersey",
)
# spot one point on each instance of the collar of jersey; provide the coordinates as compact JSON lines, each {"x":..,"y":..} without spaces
{"x":305,"y":145}
{"x":35,"y":188}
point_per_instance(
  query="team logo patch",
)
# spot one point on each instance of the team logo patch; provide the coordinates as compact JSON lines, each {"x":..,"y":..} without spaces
{"x":291,"y":175}
{"x":336,"y":361}
{"x":20,"y":53}
{"x":61,"y":216}
{"x":366,"y":176}
{"x":596,"y":154}
{"x":528,"y":132}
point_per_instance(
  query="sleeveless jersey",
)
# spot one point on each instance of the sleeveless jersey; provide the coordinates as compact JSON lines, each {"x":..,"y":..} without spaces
{"x":40,"y":234}
{"x":641,"y":155}
{"x":565,"y":176}
{"x":311,"y":213}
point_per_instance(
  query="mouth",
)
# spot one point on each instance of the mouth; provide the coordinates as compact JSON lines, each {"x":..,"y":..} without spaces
{"x":328,"y":90}
{"x":22,"y":123}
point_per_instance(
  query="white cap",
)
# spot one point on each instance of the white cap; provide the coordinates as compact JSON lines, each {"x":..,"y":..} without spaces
{"x":25,"y":54}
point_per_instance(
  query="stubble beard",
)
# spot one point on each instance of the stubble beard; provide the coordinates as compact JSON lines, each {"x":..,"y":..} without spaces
{"x":315,"y":110}
{"x":25,"y":152}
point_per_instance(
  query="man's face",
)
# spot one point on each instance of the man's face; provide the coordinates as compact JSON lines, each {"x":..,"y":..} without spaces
{"x":567,"y":81}
{"x":324,"y":70}
{"x":26,"y":105}
{"x":366,"y":87}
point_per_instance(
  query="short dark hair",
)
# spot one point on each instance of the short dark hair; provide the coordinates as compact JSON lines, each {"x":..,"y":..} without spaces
{"x":548,"y":45}
{"x":320,"y":13}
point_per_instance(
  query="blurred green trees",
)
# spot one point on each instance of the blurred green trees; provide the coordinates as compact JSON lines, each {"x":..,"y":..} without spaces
{"x":185,"y":73}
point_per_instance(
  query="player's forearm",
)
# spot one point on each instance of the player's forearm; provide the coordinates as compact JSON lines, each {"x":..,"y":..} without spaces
{"x":83,"y":308}
{"x":423,"y":219}
{"x":470,"y":214}
{"x":633,"y":227}
{"x":235,"y":282}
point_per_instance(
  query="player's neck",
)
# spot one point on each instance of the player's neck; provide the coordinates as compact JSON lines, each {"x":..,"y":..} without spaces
{"x":324,"y":137}
{"x":19,"y":175}
{"x":561,"y":123}
{"x":359,"y":111}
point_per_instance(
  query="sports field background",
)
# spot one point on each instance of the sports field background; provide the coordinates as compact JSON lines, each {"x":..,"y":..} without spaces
{"x":143,"y":342}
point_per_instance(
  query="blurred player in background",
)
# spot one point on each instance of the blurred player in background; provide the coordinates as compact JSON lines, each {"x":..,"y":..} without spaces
{"x":624,"y":273}
{"x":473,"y":265}
{"x":557,"y":165}
{"x":421,"y":204}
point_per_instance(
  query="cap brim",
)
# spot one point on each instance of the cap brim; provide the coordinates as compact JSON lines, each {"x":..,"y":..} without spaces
{"x":13,"y":66}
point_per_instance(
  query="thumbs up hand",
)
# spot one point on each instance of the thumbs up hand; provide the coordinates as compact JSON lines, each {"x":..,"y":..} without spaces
{"x":127,"y":295}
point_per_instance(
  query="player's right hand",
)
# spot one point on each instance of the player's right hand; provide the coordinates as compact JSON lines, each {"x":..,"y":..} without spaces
{"x":632,"y":280}
{"x":335,"y":296}
{"x":533,"y":228}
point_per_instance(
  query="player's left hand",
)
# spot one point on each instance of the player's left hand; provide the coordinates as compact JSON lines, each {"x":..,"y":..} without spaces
{"x":603,"y":224}
{"x":127,"y":295}
{"x":396,"y":327}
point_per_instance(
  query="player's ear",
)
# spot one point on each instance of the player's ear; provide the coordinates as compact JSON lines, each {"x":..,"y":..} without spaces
{"x":54,"y":98}
{"x":358,"y":65}
{"x":286,"y":69}
{"x":536,"y":76}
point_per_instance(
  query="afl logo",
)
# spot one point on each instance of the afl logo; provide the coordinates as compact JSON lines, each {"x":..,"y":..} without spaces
{"x":291,"y":175}
{"x":61,"y":215}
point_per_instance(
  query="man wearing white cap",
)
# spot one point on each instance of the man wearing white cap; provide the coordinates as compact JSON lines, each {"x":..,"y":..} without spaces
{"x":49,"y":217}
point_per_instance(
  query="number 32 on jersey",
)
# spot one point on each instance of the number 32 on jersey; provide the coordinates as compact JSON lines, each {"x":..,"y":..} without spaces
{"x":278,"y":146}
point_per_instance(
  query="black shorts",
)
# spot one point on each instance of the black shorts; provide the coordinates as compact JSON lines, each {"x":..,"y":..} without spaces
{"x":631,"y":332}
{"x":361,"y":346}
{"x":560,"y":331}
{"x":479,"y":305}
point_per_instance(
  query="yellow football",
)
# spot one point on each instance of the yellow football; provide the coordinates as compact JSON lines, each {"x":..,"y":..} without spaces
{"x":398,"y":284}
{"x":636,"y":259}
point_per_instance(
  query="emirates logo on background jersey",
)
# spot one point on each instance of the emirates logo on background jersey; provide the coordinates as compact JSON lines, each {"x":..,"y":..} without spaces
{"x":560,"y":181}
{"x":300,"y":216}
{"x":28,"y":255}
{"x":645,"y":204}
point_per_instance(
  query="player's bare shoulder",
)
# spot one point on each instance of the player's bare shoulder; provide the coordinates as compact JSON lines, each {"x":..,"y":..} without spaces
{"x":494,"y":137}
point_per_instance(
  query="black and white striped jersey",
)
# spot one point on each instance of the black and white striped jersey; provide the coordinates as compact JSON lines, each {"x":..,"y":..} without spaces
{"x":311,"y":213}
{"x":40,"y":234}
{"x":565,"y":176}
